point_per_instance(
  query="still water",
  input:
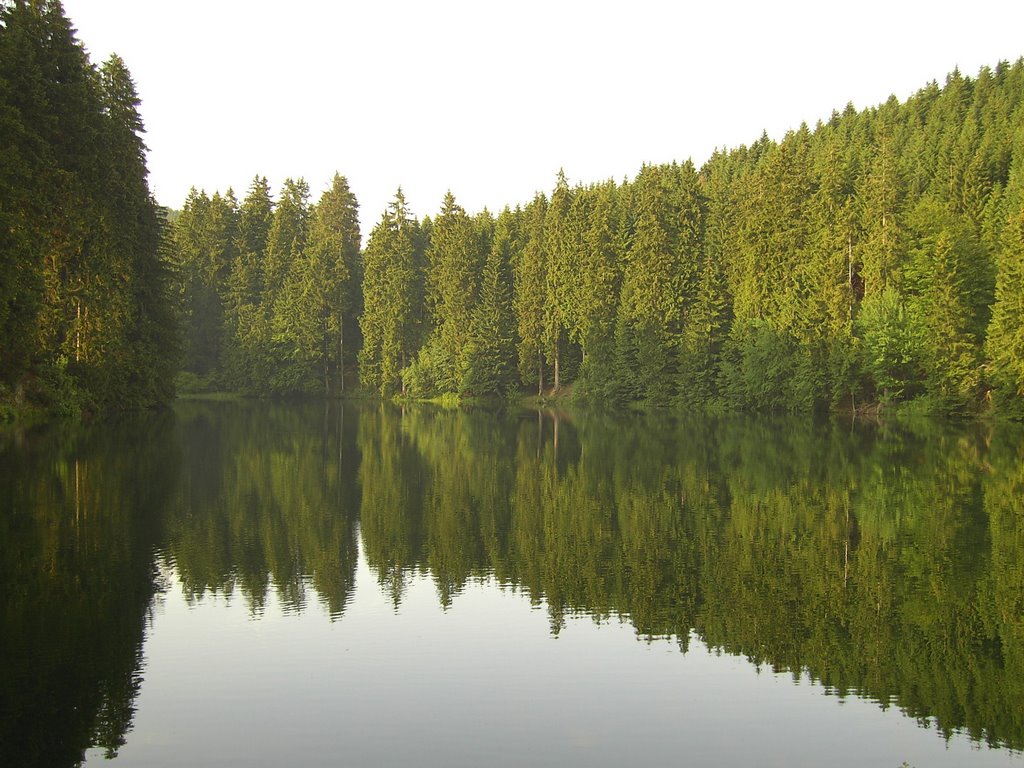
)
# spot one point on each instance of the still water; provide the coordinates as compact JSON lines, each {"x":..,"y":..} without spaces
{"x":244,"y":584}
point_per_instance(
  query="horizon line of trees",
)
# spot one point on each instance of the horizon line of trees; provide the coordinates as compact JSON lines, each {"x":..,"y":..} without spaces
{"x":876,"y":258}
{"x":268,"y":292}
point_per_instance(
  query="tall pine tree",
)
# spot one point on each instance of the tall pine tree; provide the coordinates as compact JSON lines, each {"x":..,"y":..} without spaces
{"x":392,"y":298}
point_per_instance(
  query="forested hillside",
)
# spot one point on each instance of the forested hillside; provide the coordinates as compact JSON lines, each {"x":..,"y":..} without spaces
{"x":876,"y":258}
{"x":85,"y":306}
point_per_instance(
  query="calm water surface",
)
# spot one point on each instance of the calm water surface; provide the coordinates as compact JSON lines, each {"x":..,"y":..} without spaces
{"x":252,"y":584}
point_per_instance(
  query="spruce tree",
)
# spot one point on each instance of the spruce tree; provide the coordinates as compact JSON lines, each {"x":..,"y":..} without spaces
{"x":600,"y":279}
{"x":943,"y":289}
{"x":245,"y":320}
{"x":454,"y":261}
{"x":1005,"y":342}
{"x":488,"y":363}
{"x":659,"y":279}
{"x":530,"y":280}
{"x":560,"y":276}
{"x":204,"y":242}
{"x":880,"y":201}
{"x":824,"y":285}
{"x":334,"y":233}
{"x":703,"y":339}
{"x":310,"y":311}
{"x":286,"y":237}
{"x":1004,"y":345}
{"x":138,"y":315}
{"x":392,"y":298}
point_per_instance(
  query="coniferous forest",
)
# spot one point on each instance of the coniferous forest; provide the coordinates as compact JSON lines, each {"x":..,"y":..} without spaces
{"x":876,"y":258}
{"x":85,"y":291}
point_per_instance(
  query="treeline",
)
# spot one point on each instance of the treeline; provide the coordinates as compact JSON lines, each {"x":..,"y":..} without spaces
{"x":84,"y":291}
{"x":878,"y":258}
{"x":268,"y":293}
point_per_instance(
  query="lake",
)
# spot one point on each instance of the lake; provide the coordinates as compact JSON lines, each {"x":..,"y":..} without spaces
{"x":263,"y":584}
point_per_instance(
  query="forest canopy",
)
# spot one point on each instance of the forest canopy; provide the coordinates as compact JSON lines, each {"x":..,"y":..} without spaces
{"x":876,"y":258}
{"x":85,"y":293}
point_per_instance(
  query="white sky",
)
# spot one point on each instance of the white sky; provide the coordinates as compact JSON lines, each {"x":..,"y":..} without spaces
{"x":490,"y":99}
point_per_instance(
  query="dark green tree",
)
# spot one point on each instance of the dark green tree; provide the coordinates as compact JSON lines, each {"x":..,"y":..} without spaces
{"x":489,"y":358}
{"x":310,"y":312}
{"x":561,"y":256}
{"x":244,"y":320}
{"x":454,"y":265}
{"x":600,"y":279}
{"x":392,"y":298}
{"x":84,"y":301}
{"x":528,"y":302}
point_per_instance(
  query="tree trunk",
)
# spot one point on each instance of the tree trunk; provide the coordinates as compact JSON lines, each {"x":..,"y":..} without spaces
{"x":341,"y":354}
{"x":327,"y":358}
{"x":540,"y":375}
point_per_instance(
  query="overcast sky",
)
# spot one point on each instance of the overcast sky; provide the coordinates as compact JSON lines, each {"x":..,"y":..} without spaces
{"x":490,"y":99}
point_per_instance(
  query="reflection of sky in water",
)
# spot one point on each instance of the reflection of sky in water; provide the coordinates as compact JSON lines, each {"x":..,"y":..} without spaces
{"x":481,"y":684}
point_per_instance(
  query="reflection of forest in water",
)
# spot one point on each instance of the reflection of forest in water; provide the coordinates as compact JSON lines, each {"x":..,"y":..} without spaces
{"x":883,"y":563}
{"x":80,"y":514}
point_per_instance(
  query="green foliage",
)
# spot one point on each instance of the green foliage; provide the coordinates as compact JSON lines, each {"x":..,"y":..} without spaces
{"x":704,"y":335}
{"x":393,"y":306}
{"x":312,"y":310}
{"x":203,"y":241}
{"x":85,"y":301}
{"x":487,"y":360}
{"x":454,"y":265}
{"x":660,"y":277}
{"x":244,"y":326}
{"x":891,"y":337}
{"x":600,"y":277}
{"x":268,"y":292}
{"x":561,"y":256}
{"x":759,"y":368}
{"x":1004,"y":344}
{"x":872,"y":258}
{"x":950,"y":350}
{"x":530,"y":284}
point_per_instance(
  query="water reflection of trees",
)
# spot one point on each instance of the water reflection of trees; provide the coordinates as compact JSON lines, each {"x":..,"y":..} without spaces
{"x":76,"y":582}
{"x":883,"y":563}
{"x":266,"y":502}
